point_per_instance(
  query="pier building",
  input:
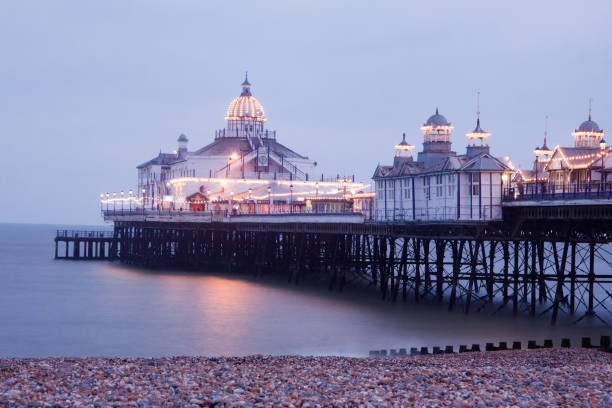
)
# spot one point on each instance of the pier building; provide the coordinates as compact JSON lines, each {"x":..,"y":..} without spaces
{"x":580,"y":169}
{"x":440,"y":184}
{"x":244,"y":170}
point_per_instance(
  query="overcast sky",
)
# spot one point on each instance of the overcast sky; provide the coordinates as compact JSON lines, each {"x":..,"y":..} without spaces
{"x":90,"y":89}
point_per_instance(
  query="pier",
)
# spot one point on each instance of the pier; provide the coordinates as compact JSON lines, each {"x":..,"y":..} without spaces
{"x":85,"y":245}
{"x":540,"y":259}
{"x":464,"y":228}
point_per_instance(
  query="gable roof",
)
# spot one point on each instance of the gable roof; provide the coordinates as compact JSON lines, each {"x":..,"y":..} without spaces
{"x":485,"y":162}
{"x":575,"y":157}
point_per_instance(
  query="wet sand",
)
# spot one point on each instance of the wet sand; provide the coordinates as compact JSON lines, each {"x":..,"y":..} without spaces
{"x":526,"y":378}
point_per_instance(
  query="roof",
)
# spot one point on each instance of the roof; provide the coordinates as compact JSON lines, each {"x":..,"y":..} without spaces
{"x":481,"y":162}
{"x":588,"y":126}
{"x":528,"y":176}
{"x":485,"y":162}
{"x":404,"y":169}
{"x":162,"y":159}
{"x":182,"y":138}
{"x":404,"y":142}
{"x":225,"y":146}
{"x":245,"y":106}
{"x":478,"y":129}
{"x":577,"y":157}
{"x":437,"y":120}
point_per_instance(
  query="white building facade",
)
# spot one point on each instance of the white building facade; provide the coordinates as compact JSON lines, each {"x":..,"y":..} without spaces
{"x":441,"y":185}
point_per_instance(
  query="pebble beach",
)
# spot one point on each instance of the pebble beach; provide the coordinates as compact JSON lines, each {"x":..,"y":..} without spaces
{"x":525,"y":378}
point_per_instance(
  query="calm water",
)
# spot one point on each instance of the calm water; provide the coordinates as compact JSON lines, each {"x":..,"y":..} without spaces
{"x":64,"y":308}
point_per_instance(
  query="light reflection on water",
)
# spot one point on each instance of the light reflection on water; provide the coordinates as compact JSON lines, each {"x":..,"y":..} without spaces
{"x":64,"y":308}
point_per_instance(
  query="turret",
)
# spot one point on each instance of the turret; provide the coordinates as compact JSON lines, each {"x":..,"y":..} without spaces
{"x":436,"y":140}
{"x":182,"y":144}
{"x":403,"y":152}
{"x":588,"y":134}
{"x":478,"y":140}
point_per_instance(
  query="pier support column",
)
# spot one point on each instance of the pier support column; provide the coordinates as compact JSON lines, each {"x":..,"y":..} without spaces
{"x":591,"y":277}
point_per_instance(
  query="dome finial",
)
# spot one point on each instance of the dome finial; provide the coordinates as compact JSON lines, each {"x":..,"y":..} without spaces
{"x":590,"y":103}
{"x":437,"y":113}
{"x":246,"y":85}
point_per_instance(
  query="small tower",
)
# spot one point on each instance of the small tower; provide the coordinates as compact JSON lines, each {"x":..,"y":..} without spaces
{"x":478,"y":139}
{"x":436,"y":130}
{"x":403,"y":151}
{"x":182,"y":144}
{"x":436,"y":140}
{"x":588,"y":134}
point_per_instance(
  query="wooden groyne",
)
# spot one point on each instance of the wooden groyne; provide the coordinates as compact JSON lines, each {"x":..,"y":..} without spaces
{"x":85,"y":245}
{"x":604,"y":345}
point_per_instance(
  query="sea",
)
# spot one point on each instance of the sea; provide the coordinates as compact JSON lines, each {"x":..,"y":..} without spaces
{"x":82,"y":308}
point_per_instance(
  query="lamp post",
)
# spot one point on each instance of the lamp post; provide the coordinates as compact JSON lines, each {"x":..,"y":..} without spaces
{"x":144,"y":201}
{"x":101,"y":201}
{"x":291,"y":198}
{"x":344,"y":196}
{"x":107,"y":198}
{"x":230,"y":201}
{"x":602,"y":146}
{"x":114,"y":201}
{"x":250,"y":198}
{"x":536,"y":174}
{"x":122,"y":200}
{"x":269,"y":199}
{"x":131,"y":193}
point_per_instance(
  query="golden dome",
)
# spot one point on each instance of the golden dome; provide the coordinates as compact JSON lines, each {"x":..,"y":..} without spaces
{"x":245,"y":106}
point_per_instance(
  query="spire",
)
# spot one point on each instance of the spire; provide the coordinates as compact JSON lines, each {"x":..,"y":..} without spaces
{"x":246,"y":85}
{"x":544,"y":147}
{"x":590,"y":103}
{"x":478,"y":129}
{"x":437,"y":113}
